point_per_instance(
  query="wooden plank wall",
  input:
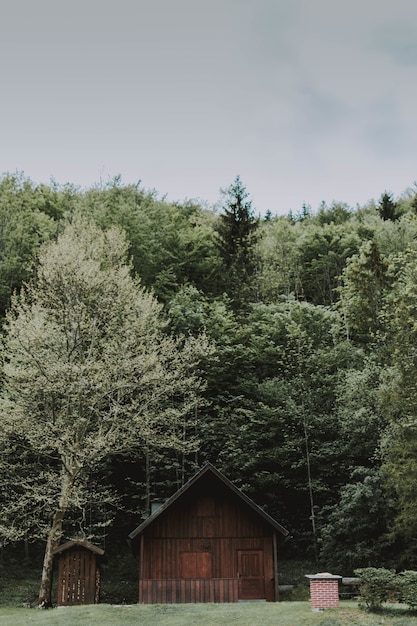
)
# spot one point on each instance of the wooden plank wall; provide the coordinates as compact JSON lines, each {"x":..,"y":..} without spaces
{"x":209,"y":529}
{"x":163,"y":557}
{"x":188,"y":591}
{"x":207,"y":517}
{"x":77,"y":578}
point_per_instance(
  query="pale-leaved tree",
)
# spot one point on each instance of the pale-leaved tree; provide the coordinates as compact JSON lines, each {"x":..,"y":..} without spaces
{"x":88,"y":371}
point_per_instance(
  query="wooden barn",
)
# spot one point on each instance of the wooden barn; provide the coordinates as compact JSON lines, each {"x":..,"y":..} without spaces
{"x":208,"y":543}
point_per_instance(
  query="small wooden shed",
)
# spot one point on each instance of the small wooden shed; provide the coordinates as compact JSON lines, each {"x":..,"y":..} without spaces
{"x":208,"y":543}
{"x":78,"y":572}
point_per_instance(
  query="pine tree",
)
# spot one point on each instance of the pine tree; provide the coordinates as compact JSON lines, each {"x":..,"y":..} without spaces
{"x":237,"y":235}
{"x":387,"y":208}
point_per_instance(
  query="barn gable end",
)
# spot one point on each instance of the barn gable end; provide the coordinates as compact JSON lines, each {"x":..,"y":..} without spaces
{"x":208,"y":543}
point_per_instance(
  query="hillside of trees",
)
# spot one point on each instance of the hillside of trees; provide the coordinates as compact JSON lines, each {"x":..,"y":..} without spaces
{"x":283,"y":351}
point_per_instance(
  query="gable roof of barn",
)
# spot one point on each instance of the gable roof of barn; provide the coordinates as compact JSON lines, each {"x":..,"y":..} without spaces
{"x":209,"y":471}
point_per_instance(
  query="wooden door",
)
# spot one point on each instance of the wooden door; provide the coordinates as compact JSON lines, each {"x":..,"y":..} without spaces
{"x":251,"y":574}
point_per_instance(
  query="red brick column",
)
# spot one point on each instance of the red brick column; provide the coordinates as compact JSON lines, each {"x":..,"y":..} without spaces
{"x":324,"y":591}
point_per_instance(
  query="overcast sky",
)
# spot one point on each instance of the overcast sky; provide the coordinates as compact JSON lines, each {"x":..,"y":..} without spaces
{"x":308,"y":100}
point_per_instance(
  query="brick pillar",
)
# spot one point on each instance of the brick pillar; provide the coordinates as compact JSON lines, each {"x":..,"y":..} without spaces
{"x":324,"y":591}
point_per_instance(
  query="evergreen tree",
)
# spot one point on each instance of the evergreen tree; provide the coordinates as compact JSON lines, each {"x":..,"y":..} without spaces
{"x":387,"y":208}
{"x":237,"y":234}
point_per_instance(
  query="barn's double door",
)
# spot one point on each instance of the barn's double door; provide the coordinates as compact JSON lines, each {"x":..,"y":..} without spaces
{"x":251,"y":574}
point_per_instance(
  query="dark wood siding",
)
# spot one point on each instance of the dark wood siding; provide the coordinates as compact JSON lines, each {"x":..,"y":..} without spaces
{"x":189,"y":590}
{"x":192,"y":551}
{"x":162,"y":557}
{"x":78,"y":578}
{"x":208,"y":542}
{"x":208,"y":517}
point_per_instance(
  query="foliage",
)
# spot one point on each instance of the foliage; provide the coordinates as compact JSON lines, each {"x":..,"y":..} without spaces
{"x":310,"y":402}
{"x":399,"y":442}
{"x":337,"y":213}
{"x":354,"y":532}
{"x":393,"y":239}
{"x":323,"y":252}
{"x":360,"y":413}
{"x":89,"y":371}
{"x":408,"y":588}
{"x":237,"y":233}
{"x":377,"y":585}
{"x":24,"y":224}
{"x":279,"y":263}
{"x":365,"y":281}
{"x":272,"y":420}
{"x":169,"y":244}
{"x":387,"y":208}
{"x":305,"y":259}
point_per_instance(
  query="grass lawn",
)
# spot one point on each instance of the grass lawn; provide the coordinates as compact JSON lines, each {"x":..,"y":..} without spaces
{"x":243,"y":614}
{"x":19,"y":586}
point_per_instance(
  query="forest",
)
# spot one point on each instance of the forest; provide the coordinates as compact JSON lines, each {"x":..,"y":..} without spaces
{"x":142,"y":338}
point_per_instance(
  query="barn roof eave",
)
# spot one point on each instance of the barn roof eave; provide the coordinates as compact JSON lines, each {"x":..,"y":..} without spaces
{"x":83,"y":543}
{"x":208,"y":467}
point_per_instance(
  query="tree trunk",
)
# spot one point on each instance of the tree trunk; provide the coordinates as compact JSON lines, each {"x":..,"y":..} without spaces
{"x":54,"y":537}
{"x":310,"y":485}
{"x":27,"y":558}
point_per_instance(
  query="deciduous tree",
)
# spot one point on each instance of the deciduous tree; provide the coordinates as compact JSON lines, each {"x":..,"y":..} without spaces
{"x":89,"y":370}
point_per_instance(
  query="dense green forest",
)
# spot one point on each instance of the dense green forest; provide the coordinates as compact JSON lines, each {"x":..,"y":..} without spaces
{"x":287,"y":345}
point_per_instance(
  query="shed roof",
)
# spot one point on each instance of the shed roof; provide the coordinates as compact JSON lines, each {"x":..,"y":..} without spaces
{"x":209,"y":471}
{"x":82,"y":543}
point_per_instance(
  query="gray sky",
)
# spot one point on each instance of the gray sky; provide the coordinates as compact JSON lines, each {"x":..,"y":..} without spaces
{"x":308,"y":100}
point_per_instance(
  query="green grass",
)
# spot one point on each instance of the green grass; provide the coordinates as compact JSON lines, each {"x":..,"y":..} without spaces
{"x":19,"y":586}
{"x":242,"y":614}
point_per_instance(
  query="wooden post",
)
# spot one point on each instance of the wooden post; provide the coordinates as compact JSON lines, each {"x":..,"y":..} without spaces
{"x":141,"y":569}
{"x":275,"y":557}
